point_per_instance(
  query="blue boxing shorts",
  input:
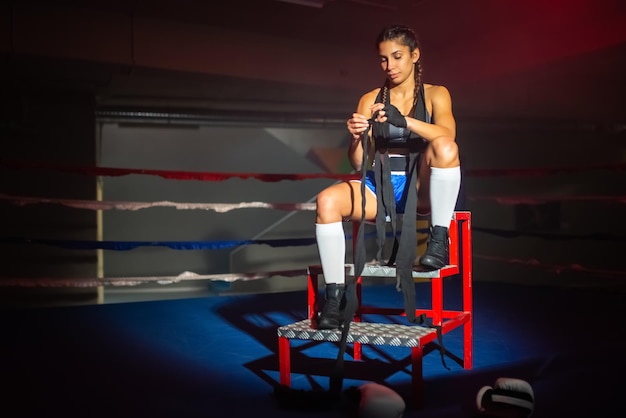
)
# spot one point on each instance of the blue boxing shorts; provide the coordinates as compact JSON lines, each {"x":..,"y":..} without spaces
{"x":398,"y":181}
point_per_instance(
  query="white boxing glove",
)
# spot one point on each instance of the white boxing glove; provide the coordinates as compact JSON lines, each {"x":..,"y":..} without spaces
{"x":507,"y":394}
{"x":378,"y":401}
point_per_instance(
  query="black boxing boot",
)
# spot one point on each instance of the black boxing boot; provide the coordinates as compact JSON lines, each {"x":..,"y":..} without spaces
{"x":331,"y":316}
{"x":437,"y":250}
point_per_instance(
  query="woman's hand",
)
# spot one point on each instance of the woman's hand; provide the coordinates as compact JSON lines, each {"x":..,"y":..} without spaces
{"x":378,"y":114}
{"x":389,"y":114}
{"x":357,"y":124}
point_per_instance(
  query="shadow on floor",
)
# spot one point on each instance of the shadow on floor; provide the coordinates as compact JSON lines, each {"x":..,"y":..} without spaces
{"x":217,"y":356}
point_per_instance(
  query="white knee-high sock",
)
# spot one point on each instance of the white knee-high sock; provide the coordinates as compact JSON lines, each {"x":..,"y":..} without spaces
{"x":331,"y":243}
{"x":444,"y":191}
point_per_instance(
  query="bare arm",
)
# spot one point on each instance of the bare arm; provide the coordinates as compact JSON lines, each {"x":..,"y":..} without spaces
{"x":442,"y":117}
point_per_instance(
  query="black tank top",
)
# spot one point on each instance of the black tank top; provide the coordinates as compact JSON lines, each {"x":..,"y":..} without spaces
{"x":396,"y":137}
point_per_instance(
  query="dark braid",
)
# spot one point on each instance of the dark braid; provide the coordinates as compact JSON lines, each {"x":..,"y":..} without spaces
{"x":406,"y":36}
{"x":418,"y":81}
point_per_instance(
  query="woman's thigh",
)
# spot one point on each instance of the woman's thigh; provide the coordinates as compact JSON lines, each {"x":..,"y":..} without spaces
{"x":342,"y":202}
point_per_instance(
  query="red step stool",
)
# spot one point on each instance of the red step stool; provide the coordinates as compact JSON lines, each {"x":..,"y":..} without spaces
{"x":415,"y":337}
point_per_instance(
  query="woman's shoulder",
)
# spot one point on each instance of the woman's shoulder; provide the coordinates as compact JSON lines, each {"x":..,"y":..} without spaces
{"x":435,"y":89}
{"x":370,"y":95}
{"x":366,"y":100}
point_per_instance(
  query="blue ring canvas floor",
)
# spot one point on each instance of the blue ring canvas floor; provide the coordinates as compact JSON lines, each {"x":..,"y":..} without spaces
{"x":217,"y":356}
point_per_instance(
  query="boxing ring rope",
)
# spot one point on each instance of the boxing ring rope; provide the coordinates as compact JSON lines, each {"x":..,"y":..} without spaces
{"x":224,"y":207}
{"x":227,"y":207}
{"x":85,"y":282}
{"x":109,"y":205}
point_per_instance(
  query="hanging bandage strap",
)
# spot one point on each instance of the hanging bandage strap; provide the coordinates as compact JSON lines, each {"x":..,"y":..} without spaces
{"x":385,"y":203}
{"x":405,"y":247}
{"x":407,"y":242}
{"x":352,"y":303}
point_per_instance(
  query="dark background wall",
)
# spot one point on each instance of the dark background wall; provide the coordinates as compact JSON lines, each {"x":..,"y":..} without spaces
{"x":56,"y":127}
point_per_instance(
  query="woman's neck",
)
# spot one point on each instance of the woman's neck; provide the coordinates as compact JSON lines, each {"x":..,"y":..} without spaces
{"x":403,"y":91}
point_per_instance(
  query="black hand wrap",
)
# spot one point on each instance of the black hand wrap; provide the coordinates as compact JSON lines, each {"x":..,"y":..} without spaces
{"x":380,"y":131}
{"x":394,"y":116}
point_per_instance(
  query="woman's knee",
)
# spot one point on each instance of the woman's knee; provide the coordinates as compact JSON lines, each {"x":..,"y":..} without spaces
{"x":325,"y":201}
{"x":330,"y":202}
{"x":445,"y":152}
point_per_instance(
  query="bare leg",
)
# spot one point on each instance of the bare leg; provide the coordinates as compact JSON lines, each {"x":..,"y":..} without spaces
{"x":334,"y":204}
{"x":342,"y":201}
{"x":442,"y":158}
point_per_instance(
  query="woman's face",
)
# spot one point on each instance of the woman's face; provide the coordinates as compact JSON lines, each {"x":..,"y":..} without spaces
{"x":397,"y":61}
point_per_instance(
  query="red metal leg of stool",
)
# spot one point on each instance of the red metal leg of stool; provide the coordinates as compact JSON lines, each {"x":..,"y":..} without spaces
{"x":284,"y":361}
{"x":356,"y":347}
{"x":417,"y":378}
{"x":357,"y":351}
{"x":436,"y":284}
{"x":312,"y":295}
{"x":466,"y":241}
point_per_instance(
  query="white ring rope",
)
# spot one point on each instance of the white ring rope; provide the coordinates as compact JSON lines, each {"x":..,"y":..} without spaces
{"x":226,"y":207}
{"x":108,"y":205}
{"x":133,"y":281}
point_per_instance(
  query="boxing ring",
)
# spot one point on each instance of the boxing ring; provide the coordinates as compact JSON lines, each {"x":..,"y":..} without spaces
{"x":309,"y":271}
{"x":222,"y":208}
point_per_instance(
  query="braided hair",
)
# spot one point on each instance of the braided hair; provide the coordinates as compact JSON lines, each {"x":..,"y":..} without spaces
{"x":407,"y":37}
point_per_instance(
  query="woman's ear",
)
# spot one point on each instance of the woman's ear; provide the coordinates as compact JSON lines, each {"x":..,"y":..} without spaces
{"x":416,"y":55}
